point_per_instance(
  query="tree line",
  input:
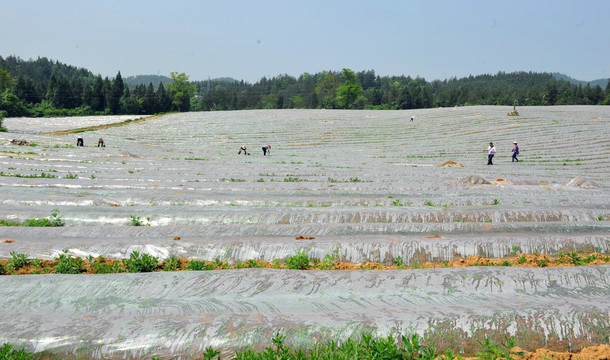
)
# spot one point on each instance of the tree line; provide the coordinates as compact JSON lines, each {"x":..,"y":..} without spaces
{"x":43,"y":87}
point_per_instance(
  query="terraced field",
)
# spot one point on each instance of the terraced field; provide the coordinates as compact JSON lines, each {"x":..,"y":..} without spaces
{"x":354,"y":185}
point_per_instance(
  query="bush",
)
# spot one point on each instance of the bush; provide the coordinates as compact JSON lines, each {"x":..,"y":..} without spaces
{"x":2,"y":116}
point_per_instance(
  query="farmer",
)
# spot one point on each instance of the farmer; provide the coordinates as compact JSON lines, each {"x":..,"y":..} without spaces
{"x":412,"y":117}
{"x":100,"y":143}
{"x":491,"y":151}
{"x":242,"y":148}
{"x":515,"y":152}
{"x":80,"y":142}
{"x":266,"y":149}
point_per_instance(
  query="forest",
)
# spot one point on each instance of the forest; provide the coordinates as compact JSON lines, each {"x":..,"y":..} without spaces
{"x":43,"y":87}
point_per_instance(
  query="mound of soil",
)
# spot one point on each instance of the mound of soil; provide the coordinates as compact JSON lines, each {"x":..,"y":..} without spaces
{"x":588,"y":353}
{"x":474,"y":180}
{"x":451,"y":164}
{"x":583,"y":183}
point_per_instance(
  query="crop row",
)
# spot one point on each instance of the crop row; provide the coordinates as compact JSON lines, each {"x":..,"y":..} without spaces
{"x":20,"y":264}
{"x":365,"y":346}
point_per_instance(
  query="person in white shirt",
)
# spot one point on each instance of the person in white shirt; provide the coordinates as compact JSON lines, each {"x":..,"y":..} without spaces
{"x":491,"y":151}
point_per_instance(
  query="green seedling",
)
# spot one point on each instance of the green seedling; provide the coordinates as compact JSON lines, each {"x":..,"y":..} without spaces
{"x":515,"y":250}
{"x":67,"y":264}
{"x":141,"y":262}
{"x":18,"y":261}
{"x":53,"y":221}
{"x":398,"y":261}
{"x":171,"y":264}
{"x":300,"y":261}
{"x":136,"y":221}
{"x":492,"y":350}
{"x":198,"y":265}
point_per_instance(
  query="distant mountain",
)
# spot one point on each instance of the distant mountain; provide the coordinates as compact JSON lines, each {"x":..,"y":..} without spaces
{"x":133,"y":81}
{"x":571,"y":80}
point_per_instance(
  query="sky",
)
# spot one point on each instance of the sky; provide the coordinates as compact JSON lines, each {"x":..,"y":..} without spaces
{"x":251,"y":39}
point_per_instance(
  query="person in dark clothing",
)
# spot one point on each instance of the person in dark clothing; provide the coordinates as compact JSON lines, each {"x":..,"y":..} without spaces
{"x":242,"y":148}
{"x":491,"y":151}
{"x":80,"y":142}
{"x":515,"y":152}
{"x":266,"y":149}
{"x":100,"y":143}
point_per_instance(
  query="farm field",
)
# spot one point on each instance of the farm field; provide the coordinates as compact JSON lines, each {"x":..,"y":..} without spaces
{"x":356,"y":187}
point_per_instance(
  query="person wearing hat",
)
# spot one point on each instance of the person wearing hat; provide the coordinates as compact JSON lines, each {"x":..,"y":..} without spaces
{"x":242,"y":148}
{"x":491,"y":151}
{"x":266,"y":149}
{"x":515,"y":152}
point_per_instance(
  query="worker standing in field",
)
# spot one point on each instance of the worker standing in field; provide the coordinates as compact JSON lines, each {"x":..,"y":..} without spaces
{"x":515,"y":152}
{"x":266,"y":149}
{"x":491,"y":151}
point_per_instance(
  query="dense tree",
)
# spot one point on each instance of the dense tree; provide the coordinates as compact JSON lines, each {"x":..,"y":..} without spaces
{"x":164,"y":102}
{"x":6,"y":80}
{"x":43,"y":87}
{"x":149,"y":104}
{"x":349,"y":91}
{"x":326,"y":90}
{"x":181,"y":90}
{"x":115,"y":94}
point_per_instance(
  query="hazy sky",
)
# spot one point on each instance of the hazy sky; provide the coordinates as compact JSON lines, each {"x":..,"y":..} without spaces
{"x":251,"y":39}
